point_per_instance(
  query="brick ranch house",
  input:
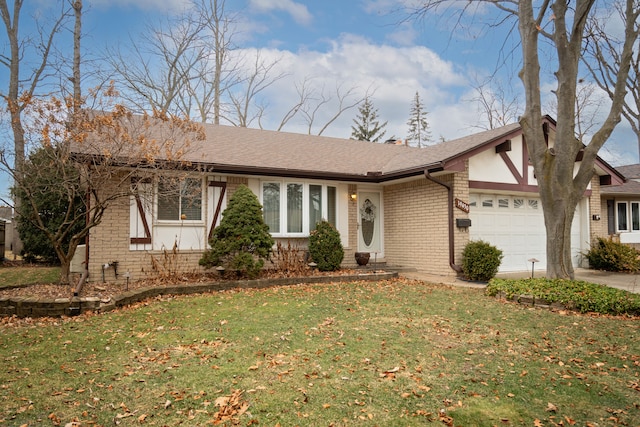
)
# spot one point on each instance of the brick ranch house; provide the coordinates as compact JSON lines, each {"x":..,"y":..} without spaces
{"x":409,"y":207}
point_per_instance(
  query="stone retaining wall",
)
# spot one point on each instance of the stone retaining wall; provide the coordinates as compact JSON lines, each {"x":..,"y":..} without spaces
{"x":35,"y":307}
{"x":532,"y":301}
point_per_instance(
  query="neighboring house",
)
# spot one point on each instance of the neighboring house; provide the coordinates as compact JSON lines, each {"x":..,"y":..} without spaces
{"x":6,"y":236}
{"x":621,"y":207}
{"x":410,"y":207}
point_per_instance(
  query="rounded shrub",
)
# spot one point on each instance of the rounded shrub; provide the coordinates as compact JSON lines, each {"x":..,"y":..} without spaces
{"x":325,"y":247}
{"x":242,"y":241}
{"x":605,"y":254}
{"x":480,"y":261}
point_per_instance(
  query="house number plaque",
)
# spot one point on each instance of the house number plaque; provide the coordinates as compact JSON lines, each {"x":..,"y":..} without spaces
{"x":463,"y":206}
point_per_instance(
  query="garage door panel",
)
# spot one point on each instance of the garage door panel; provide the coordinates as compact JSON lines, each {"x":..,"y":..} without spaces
{"x":517,"y":230}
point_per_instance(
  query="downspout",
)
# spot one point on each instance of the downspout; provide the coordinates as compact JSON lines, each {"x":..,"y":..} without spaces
{"x":449,"y":188}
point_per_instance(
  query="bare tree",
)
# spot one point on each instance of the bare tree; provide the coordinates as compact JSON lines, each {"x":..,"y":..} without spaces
{"x":77,"y":36}
{"x":497,"y":107}
{"x":313,"y":100}
{"x":344,"y":100}
{"x":181,"y":65}
{"x":156,"y":72}
{"x":304,"y":92}
{"x":588,"y":107}
{"x":23,"y":84}
{"x":245,"y":106}
{"x":219,"y":24}
{"x":603,"y":61}
{"x":557,"y":29}
{"x":85,"y":160}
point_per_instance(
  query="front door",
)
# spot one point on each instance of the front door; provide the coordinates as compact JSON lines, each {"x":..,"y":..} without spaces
{"x":370,"y":223}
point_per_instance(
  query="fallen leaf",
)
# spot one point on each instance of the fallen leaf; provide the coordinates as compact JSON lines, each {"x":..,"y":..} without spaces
{"x":230,"y":407}
{"x":551,"y":407}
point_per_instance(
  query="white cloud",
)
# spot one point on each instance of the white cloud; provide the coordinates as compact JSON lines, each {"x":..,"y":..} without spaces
{"x":391,"y":74}
{"x":298,"y":12}
{"x":405,"y":34}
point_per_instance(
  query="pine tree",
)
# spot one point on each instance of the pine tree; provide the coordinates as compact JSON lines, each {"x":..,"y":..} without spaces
{"x":242,"y":241}
{"x":367,"y":126}
{"x":419,"y":133}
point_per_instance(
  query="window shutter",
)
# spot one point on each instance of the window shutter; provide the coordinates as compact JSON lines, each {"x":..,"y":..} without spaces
{"x":220,"y":188}
{"x":140,"y":211}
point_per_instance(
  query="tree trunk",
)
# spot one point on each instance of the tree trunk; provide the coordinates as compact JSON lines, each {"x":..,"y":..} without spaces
{"x":558,"y":218}
{"x":65,"y":272}
{"x":77,"y":34}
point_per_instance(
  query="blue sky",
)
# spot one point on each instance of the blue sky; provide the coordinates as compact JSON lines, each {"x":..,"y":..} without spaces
{"x":361,"y":44}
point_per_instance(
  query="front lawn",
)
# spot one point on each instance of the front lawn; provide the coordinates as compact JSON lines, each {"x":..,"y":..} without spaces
{"x":392,"y":353}
{"x":27,"y":275}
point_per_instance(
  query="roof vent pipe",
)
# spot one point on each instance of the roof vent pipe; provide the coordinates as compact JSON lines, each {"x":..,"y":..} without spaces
{"x":452,"y":263}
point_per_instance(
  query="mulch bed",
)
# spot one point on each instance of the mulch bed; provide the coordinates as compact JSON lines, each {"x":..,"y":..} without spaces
{"x":109,"y":290}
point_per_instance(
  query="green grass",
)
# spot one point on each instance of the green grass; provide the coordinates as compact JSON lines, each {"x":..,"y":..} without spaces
{"x":26,"y":275}
{"x":392,"y":353}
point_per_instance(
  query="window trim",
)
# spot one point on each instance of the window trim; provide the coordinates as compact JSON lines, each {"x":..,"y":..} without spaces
{"x":283,"y":208}
{"x":628,"y":211}
{"x":181,"y":180}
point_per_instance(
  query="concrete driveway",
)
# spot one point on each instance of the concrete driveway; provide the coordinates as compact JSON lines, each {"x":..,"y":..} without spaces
{"x":626,"y":281}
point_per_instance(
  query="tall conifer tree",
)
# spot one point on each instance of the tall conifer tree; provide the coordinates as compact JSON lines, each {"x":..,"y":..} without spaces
{"x":419,"y":132}
{"x":367,"y":126}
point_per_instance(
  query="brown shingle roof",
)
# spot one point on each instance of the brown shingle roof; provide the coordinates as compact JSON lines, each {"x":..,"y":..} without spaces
{"x":630,"y":171}
{"x":228,"y":149}
{"x":630,"y":188}
{"x":252,"y":150}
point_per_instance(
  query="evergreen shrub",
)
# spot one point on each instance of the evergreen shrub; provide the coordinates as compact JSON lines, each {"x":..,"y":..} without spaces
{"x":573,"y":294}
{"x":480,"y":261}
{"x":605,"y":254}
{"x":54,"y":189}
{"x":241,"y":243}
{"x":325,"y":247}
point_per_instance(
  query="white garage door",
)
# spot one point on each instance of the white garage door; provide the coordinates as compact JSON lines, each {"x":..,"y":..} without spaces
{"x":514,"y":224}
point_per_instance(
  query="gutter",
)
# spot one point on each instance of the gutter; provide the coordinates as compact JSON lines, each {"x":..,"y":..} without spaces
{"x":452,"y":263}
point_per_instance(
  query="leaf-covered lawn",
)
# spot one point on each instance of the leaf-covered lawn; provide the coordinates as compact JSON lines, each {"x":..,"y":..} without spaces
{"x":390,"y":353}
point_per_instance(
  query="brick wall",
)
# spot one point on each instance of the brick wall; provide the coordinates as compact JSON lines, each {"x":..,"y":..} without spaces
{"x":460,"y":182}
{"x":352,"y":246}
{"x":109,"y":242}
{"x":233,"y":182}
{"x":415,"y":232}
{"x":417,"y":221}
{"x":597,"y":228}
{"x":415,"y":226}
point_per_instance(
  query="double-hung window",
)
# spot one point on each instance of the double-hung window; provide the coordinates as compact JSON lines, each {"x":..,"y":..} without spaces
{"x":180,"y":199}
{"x":294,"y":208}
{"x":628,"y":216}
